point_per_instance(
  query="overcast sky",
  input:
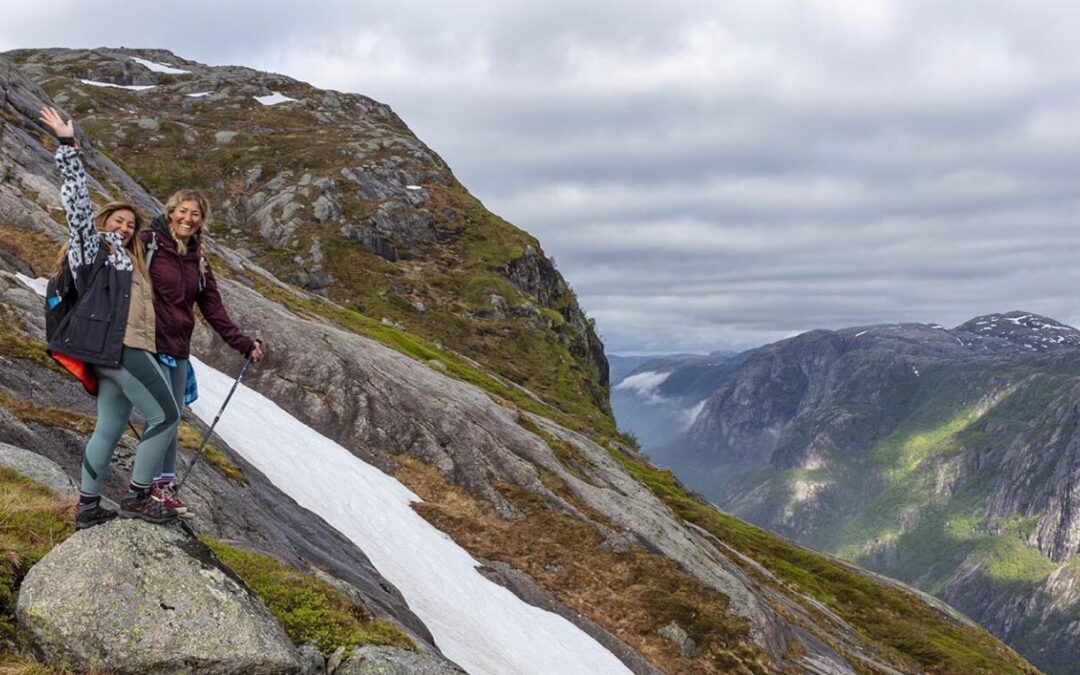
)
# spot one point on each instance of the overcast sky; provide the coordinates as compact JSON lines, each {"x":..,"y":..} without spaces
{"x":708,"y":175}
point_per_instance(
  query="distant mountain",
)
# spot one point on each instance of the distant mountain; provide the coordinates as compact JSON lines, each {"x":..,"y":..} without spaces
{"x":947,"y":458}
{"x":621,"y":366}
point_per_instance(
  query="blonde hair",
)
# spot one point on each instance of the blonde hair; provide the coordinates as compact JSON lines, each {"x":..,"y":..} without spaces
{"x":187,"y":195}
{"x":135,"y":247}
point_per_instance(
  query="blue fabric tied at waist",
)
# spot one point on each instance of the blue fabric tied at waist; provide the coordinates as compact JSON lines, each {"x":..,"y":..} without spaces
{"x":191,"y":389}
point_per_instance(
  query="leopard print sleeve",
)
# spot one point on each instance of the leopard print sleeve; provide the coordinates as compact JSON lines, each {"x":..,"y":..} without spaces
{"x":83,"y":239}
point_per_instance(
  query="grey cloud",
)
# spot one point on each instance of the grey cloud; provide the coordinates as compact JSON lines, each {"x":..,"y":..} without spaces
{"x":712,"y":174}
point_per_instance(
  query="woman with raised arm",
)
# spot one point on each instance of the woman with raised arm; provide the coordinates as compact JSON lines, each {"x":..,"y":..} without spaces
{"x":182,"y":279}
{"x":107,"y":338}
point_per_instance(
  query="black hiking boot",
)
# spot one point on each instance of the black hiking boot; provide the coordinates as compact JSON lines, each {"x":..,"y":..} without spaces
{"x":95,"y":514}
{"x":148,"y":508}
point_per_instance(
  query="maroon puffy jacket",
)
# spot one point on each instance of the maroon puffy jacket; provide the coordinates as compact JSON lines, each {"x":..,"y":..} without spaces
{"x":178,"y":288}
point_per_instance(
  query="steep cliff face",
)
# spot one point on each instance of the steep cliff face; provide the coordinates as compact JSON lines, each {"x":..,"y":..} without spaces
{"x":552,"y":506}
{"x":945,"y":458}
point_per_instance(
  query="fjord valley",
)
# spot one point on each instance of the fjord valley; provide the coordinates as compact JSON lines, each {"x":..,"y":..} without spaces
{"x":940,"y":457}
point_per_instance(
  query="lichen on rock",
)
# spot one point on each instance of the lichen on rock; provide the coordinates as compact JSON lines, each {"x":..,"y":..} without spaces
{"x":138,"y":598}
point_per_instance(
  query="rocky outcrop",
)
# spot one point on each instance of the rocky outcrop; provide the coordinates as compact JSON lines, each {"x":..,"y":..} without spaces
{"x":137,"y":598}
{"x":38,"y":469}
{"x":536,"y":275}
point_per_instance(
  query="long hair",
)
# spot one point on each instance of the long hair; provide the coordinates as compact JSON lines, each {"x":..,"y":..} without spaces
{"x":187,"y":195}
{"x":135,"y":247}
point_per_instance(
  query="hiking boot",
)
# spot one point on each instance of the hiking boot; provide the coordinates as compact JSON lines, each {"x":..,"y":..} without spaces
{"x":95,"y":514}
{"x":147,"y":507}
{"x":166,"y":493}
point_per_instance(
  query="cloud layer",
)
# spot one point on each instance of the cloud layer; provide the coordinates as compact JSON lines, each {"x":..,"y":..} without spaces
{"x":711,"y":176}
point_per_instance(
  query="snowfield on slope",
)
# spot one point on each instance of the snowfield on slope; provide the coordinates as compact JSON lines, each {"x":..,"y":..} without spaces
{"x":481,"y":626}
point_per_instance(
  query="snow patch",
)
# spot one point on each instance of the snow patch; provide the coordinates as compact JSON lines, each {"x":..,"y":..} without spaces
{"x":160,"y":68}
{"x":199,"y":94}
{"x":273,"y":99}
{"x":129,"y":87}
{"x":37,"y":285}
{"x":861,"y":333}
{"x":413,"y":187}
{"x":477,"y":623}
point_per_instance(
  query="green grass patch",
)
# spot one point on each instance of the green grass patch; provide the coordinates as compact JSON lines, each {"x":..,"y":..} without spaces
{"x":60,"y":418}
{"x":32,"y":520}
{"x":189,"y":438}
{"x":903,"y":453}
{"x":16,"y":342}
{"x":944,"y":405}
{"x":1009,"y":560}
{"x":310,"y":609}
{"x":13,"y":664}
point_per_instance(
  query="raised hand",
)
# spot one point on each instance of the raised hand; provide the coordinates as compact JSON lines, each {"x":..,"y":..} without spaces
{"x":52,"y":119}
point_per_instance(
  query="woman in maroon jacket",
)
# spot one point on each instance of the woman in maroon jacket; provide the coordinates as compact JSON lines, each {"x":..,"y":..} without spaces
{"x":182,"y":279}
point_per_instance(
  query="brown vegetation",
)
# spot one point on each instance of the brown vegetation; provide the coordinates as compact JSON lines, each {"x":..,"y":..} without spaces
{"x":630,"y":594}
{"x":36,"y":250}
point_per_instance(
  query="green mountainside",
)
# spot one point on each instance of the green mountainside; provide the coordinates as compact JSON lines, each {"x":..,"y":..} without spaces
{"x":943,"y":458}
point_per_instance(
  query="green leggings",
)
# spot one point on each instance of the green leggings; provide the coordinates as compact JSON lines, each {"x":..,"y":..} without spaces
{"x":139,"y":383}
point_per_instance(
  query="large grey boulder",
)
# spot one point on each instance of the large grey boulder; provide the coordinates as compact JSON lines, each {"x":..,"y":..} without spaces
{"x":381,"y":660}
{"x":130,"y":597}
{"x":39,"y":469}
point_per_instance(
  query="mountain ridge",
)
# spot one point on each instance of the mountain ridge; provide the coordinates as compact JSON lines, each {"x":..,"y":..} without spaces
{"x":332,"y":192}
{"x":938,"y":456}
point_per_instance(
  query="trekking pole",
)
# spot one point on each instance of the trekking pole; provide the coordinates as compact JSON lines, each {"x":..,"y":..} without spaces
{"x":206,"y":436}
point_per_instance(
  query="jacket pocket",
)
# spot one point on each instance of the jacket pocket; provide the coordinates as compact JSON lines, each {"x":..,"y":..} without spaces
{"x":88,"y":331}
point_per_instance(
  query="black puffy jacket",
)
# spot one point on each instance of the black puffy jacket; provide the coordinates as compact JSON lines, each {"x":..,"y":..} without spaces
{"x":93,"y":331}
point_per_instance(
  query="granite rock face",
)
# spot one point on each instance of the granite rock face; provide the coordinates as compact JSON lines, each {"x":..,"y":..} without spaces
{"x":136,"y":598}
